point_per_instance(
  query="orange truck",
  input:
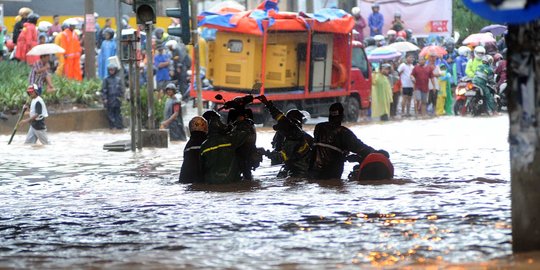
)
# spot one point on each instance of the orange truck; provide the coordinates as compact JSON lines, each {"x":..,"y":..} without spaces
{"x":303,"y":61}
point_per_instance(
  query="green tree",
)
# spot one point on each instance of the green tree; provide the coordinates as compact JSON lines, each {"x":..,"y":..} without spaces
{"x":466,"y":22}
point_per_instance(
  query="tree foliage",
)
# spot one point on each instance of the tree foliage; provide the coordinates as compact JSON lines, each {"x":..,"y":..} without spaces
{"x":465,"y":21}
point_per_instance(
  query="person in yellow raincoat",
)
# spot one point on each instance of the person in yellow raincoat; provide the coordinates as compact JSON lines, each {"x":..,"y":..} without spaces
{"x":59,"y":56}
{"x":444,"y":95}
{"x":381,"y":93}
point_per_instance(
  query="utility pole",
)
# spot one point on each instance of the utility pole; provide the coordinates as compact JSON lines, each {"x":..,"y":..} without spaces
{"x":89,"y":40}
{"x":118,"y":15}
{"x":149,"y":76}
{"x":195,"y":40}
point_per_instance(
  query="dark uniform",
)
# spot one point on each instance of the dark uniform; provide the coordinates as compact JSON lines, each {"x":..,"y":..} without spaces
{"x":191,"y":171}
{"x":292,"y":146}
{"x":332,"y":144}
{"x":112,"y":94}
{"x":241,"y":120}
{"x":220,"y":163}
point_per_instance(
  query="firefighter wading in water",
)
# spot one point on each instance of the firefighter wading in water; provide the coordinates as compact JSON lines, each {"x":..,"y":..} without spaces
{"x":292,"y":145}
{"x":332,"y":144}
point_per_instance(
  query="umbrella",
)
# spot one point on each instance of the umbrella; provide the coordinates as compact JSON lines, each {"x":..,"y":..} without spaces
{"x":227,"y":7}
{"x":479,"y":38}
{"x":433,"y":50}
{"x":48,"y":48}
{"x":495,"y":29}
{"x":404,"y":46}
{"x":383,"y":53}
{"x":44,"y":26}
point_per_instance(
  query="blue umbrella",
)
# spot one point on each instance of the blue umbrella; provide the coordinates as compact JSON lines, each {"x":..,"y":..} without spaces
{"x":495,"y":29}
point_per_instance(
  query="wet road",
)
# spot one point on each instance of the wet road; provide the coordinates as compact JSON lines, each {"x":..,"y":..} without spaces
{"x":73,"y":205}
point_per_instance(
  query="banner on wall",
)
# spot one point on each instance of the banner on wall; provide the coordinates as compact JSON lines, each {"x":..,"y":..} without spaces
{"x":1,"y":14}
{"x":423,"y":17}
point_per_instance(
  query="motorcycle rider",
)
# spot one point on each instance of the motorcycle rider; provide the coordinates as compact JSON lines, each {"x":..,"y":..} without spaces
{"x":332,"y":144}
{"x":292,"y":146}
{"x":500,"y":70}
{"x":219,"y":162}
{"x":472,"y":64}
{"x":191,"y":167}
{"x":483,"y":76}
{"x":461,"y":61}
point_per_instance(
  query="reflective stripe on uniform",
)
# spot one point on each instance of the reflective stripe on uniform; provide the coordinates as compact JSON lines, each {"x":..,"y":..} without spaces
{"x":215,"y":147}
{"x":331,"y":147}
{"x":192,"y":148}
{"x":283,"y":155}
{"x":280,"y":116}
{"x":304,"y":148}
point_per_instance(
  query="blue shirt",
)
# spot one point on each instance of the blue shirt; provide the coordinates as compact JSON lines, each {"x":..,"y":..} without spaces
{"x":162,"y":74}
{"x":461,"y":64}
{"x":375,"y":20}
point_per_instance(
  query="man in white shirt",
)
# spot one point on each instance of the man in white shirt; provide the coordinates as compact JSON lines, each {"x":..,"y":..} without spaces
{"x":404,"y":71}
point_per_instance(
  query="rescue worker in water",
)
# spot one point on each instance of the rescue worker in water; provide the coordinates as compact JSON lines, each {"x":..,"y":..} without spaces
{"x":191,"y":171}
{"x":332,"y":144}
{"x":219,"y":160}
{"x":292,"y":146}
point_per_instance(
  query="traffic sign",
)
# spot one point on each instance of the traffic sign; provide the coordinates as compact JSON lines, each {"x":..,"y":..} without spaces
{"x":505,"y":11}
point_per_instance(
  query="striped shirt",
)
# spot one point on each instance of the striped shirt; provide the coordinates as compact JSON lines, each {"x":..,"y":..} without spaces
{"x":37,"y":77}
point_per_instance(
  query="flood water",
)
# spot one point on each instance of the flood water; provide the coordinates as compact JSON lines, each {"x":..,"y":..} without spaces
{"x":73,"y":205}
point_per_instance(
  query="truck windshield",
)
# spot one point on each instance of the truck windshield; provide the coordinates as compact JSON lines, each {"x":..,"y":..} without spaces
{"x":359,"y":60}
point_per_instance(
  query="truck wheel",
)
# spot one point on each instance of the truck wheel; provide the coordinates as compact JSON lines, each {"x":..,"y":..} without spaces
{"x":352,"y":109}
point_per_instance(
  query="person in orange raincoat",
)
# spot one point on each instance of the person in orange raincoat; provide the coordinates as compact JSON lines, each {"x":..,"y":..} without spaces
{"x":72,"y":57}
{"x":28,"y":38}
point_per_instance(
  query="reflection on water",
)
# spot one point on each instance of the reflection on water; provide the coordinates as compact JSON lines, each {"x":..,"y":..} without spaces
{"x":72,"y":205}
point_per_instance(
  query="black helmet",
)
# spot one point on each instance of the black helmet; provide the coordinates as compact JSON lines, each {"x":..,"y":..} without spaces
{"x":335,"y":113}
{"x":216,"y":126}
{"x":210,"y":115}
{"x":159,"y":31}
{"x":32,"y":18}
{"x":296,"y":116}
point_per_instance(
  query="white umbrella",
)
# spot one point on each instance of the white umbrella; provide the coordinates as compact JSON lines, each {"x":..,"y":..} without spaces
{"x":227,"y":6}
{"x":404,"y":46}
{"x":44,"y":26}
{"x":48,"y":48}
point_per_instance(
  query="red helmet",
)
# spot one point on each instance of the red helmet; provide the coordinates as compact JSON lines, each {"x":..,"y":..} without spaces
{"x":32,"y":88}
{"x":497,"y":57}
{"x":402,"y":34}
{"x":10,"y":45}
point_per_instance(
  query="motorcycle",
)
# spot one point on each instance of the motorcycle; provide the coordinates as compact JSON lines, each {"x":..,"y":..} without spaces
{"x":461,"y":99}
{"x":375,"y":166}
{"x":476,"y":101}
{"x":502,"y":103}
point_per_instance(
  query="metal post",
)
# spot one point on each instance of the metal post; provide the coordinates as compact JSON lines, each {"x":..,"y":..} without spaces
{"x":137,"y":78}
{"x":133,"y":120}
{"x":524,"y":101}
{"x":89,"y":40}
{"x":196,"y":60}
{"x":150,"y":77}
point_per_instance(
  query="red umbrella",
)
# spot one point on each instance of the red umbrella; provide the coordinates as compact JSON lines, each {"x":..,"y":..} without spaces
{"x":433,"y":50}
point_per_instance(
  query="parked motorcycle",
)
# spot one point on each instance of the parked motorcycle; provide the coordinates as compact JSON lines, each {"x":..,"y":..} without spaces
{"x":502,"y":103}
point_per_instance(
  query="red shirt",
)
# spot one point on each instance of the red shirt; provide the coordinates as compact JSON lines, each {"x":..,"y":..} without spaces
{"x":422,"y":74}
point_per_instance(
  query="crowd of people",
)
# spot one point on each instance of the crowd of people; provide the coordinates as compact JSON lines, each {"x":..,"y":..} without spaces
{"x":425,"y":82}
{"x":170,"y":57}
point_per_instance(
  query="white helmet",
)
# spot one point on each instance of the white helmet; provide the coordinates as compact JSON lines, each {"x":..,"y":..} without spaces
{"x":479,"y":52}
{"x":464,"y":50}
{"x":391,"y":32}
{"x":355,"y":11}
{"x":487,"y":59}
{"x":172,"y":43}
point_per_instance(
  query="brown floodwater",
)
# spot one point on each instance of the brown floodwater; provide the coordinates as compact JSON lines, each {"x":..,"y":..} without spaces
{"x":73,"y":205}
